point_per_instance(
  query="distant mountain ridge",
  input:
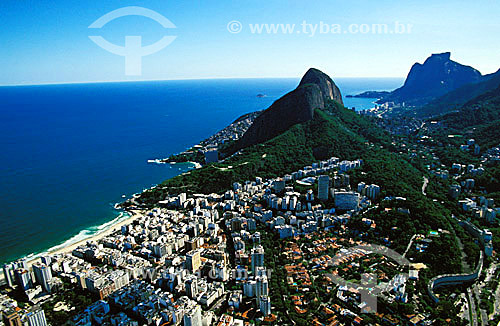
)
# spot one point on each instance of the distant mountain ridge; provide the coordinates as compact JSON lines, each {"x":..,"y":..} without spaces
{"x":295,"y":107}
{"x":371,"y":94}
{"x":436,"y":77}
{"x":437,"y":86}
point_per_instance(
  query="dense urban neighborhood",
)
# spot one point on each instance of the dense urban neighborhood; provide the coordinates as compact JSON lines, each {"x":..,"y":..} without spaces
{"x":344,"y":218}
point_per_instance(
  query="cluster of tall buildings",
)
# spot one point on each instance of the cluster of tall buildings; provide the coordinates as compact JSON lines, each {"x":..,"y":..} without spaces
{"x":15,"y":316}
{"x":480,"y":208}
{"x":371,"y":191}
{"x":180,"y":251}
{"x":33,"y":281}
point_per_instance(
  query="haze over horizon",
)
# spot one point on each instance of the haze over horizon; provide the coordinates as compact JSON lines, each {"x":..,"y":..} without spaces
{"x":50,"y":44}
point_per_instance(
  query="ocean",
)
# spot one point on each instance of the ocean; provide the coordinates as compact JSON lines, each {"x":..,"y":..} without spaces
{"x":70,"y":152}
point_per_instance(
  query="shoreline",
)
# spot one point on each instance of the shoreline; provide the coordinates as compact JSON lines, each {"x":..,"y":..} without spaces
{"x":67,"y":249}
{"x":64,"y":248}
{"x":67,"y":246}
{"x":195,"y":165}
{"x":113,"y":226}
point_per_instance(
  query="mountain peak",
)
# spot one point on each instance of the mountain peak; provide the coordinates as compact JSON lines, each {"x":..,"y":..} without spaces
{"x":437,"y":76}
{"x":325,"y":83}
{"x":297,"y":106}
{"x":445,"y":56}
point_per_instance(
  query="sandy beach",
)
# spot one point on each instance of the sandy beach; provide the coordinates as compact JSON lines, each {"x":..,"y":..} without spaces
{"x":68,"y":249}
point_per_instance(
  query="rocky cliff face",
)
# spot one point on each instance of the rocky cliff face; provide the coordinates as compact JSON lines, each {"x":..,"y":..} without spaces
{"x":325,"y":83}
{"x":295,"y":107}
{"x":436,"y":77}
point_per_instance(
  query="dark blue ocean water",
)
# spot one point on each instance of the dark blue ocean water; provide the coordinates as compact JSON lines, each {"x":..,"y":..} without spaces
{"x":69,"y":152}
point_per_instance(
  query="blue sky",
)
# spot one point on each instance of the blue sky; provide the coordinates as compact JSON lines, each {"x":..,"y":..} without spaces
{"x":47,"y":41}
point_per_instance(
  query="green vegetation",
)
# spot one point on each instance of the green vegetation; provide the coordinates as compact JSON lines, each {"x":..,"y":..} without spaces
{"x":482,"y":119}
{"x":191,"y":155}
{"x":73,"y":297}
{"x":335,"y":131}
{"x":483,"y":108}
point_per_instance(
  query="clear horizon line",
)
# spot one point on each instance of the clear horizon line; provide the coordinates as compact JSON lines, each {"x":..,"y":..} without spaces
{"x":171,"y":79}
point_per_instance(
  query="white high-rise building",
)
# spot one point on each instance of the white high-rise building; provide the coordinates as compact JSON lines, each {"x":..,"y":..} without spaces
{"x":261,"y":287}
{"x":191,"y":286}
{"x":323,"y":187}
{"x":23,"y":278}
{"x":346,"y":200}
{"x":372,"y":191}
{"x":293,"y":203}
{"x":278,"y":185}
{"x":361,"y":187}
{"x":284,"y":203}
{"x":43,"y":275}
{"x":265,"y":305}
{"x":36,"y":317}
{"x":193,"y":317}
{"x":193,"y":260}
{"x":249,"y":288}
{"x":257,"y":255}
{"x":8,"y":272}
{"x":221,"y":272}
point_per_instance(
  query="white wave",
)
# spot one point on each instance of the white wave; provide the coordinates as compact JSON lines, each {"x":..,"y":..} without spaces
{"x":82,"y":235}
